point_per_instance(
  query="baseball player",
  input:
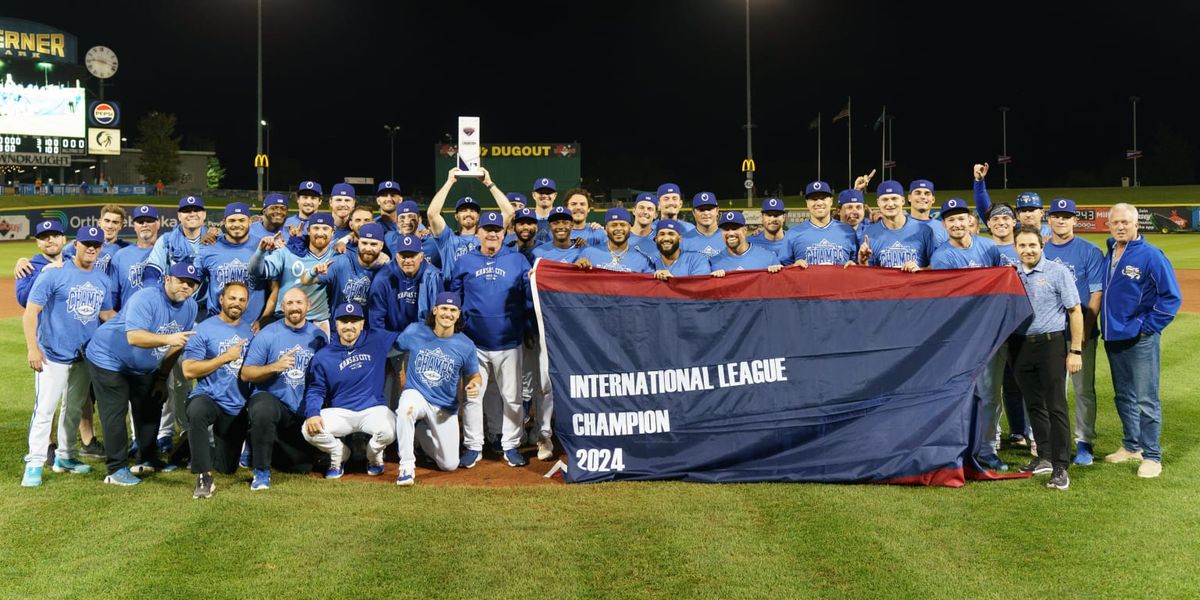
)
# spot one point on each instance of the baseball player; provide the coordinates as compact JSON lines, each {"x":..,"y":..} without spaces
{"x":451,"y":247}
{"x":268,"y":263}
{"x":344,"y":394}
{"x":350,"y":275}
{"x":895,"y":241}
{"x":50,"y":243}
{"x":182,"y":243}
{"x":1027,"y":200}
{"x":820,"y":240}
{"x":852,"y":210}
{"x":616,"y":254}
{"x":706,"y":238}
{"x":274,"y":215}
{"x":920,"y":202}
{"x":388,"y":198}
{"x":439,"y":357}
{"x":129,"y":358}
{"x":276,"y":363}
{"x":112,"y":221}
{"x":641,"y":233}
{"x":404,"y":290}
{"x":670,"y":202}
{"x":525,"y":231}
{"x":579,"y":204}
{"x":213,"y":357}
{"x":669,"y":260}
{"x":342,"y":200}
{"x":129,"y":270}
{"x":773,"y":236}
{"x":228,"y":260}
{"x":308,"y":202}
{"x":740,"y":255}
{"x":561,"y":247}
{"x":64,"y":309}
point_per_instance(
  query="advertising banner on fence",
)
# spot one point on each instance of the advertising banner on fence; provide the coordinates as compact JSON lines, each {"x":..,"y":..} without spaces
{"x":73,"y":217}
{"x":1161,"y":219}
{"x":825,"y":374}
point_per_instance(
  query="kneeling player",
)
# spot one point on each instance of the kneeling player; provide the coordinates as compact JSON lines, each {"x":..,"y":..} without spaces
{"x":438,"y":356}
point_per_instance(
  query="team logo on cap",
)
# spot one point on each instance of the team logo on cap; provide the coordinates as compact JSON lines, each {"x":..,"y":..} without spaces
{"x":387,"y":184}
{"x":1062,"y":203}
{"x":308,"y":185}
{"x":93,"y":231}
{"x":817,"y":185}
{"x":704,"y":196}
{"x":545,"y":182}
{"x":144,"y":209}
{"x":729,"y":216}
{"x":190,"y":199}
{"x":46,"y":225}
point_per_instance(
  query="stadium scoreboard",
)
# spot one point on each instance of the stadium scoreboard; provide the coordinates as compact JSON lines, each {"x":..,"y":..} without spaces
{"x":41,"y":144}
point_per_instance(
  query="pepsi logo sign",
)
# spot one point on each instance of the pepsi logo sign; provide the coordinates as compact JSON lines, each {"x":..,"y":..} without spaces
{"x":104,"y":113}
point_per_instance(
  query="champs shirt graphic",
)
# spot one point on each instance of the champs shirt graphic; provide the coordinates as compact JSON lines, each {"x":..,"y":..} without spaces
{"x":102,"y":262}
{"x":825,"y":253}
{"x":234,"y":270}
{"x":294,"y":376}
{"x":83,"y":302}
{"x":167,"y":329}
{"x":896,"y":255}
{"x":234,"y":366}
{"x":133,"y":275}
{"x":1070,"y":267}
{"x":434,"y":366}
{"x":357,"y":289}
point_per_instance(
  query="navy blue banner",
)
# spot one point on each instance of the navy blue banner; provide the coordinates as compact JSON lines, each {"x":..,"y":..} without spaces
{"x":825,"y":374}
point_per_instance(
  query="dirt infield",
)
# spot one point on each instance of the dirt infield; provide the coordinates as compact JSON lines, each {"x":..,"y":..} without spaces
{"x":490,"y":472}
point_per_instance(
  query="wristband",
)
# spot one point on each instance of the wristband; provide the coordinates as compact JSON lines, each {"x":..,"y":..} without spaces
{"x":1076,"y":352}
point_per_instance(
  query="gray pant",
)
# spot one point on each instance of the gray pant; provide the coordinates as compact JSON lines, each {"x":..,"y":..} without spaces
{"x":1084,"y":383}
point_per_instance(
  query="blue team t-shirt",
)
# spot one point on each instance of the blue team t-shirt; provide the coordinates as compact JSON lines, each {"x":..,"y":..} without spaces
{"x":130,"y":274}
{"x":686,"y":263}
{"x":834,"y":244}
{"x":981,"y":253}
{"x":892,"y":248}
{"x":271,"y":343}
{"x":708,"y":245}
{"x":148,"y":310}
{"x":435,"y":365}
{"x":631,"y":261}
{"x":213,"y":337}
{"x":753,"y":258}
{"x":71,"y":300}
{"x":549,"y":251}
{"x":221,"y":263}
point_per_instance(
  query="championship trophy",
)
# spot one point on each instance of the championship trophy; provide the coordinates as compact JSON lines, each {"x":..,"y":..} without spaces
{"x":468,"y":147}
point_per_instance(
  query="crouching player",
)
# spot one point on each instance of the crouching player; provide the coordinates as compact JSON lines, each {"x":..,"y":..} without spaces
{"x":438,"y":356}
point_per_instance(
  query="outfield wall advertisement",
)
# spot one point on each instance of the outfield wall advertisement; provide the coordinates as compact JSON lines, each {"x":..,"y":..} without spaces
{"x":15,"y":224}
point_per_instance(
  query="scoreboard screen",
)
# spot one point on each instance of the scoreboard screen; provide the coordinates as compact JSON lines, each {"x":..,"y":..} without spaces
{"x":36,"y":106}
{"x":39,"y":144}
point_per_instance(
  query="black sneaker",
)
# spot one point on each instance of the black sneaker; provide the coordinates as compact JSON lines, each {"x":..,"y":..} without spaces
{"x":1038,"y":466}
{"x":93,"y":449}
{"x":204,"y":486}
{"x":1059,"y":480}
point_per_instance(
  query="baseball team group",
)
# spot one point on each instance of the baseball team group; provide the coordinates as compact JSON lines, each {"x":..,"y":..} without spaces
{"x":296,"y":341}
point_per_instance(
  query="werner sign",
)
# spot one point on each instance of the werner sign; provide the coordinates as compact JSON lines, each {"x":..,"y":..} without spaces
{"x":25,"y":39}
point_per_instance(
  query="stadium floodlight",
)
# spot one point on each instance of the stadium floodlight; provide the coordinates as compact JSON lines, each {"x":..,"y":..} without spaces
{"x":45,"y":68}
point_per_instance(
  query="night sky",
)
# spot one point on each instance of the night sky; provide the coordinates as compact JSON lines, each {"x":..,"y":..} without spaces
{"x":655,"y":91}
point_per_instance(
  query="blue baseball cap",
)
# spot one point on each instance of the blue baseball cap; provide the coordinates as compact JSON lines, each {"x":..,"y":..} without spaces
{"x":89,"y":234}
{"x":309,"y":187}
{"x":387,"y":187}
{"x":732,"y":217}
{"x":617,"y":214}
{"x":517,"y":197}
{"x":407,"y":207}
{"x":818,"y":187}
{"x":349,"y":309}
{"x":671,"y":224}
{"x":921,"y":184}
{"x":409,"y":243}
{"x":1029,"y":200}
{"x":448,"y":299}
{"x":646,"y":197}
{"x":343,"y":189}
{"x":48,"y":226}
{"x":466,"y":202}
{"x":704,"y":199}
{"x":371,"y":231}
{"x":668,"y":188}
{"x":236,"y":208}
{"x":773,"y":204}
{"x":321,"y":218}
{"x":491,"y":218}
{"x":850,"y":197}
{"x":558,"y":213}
{"x":545,"y":183}
{"x":145,"y":211}
{"x":525,"y":214}
{"x":274,"y":199}
{"x":184,"y":270}
{"x":1062,"y":205}
{"x":953,"y":206}
{"x":890,"y":186}
{"x":191,"y":202}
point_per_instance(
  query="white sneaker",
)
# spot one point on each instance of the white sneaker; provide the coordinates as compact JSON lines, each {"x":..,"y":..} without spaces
{"x":545,"y":447}
{"x":1149,"y":469}
{"x":1123,"y":455}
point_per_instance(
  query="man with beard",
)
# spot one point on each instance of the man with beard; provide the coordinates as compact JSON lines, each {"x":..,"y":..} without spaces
{"x":276,"y":364}
{"x":740,"y":255}
{"x":451,"y":247}
{"x":308,"y":202}
{"x":773,"y":236}
{"x":579,"y":204}
{"x":50,"y":242}
{"x":388,"y":198}
{"x":895,"y":241}
{"x":920,"y":201}
{"x":213,"y":357}
{"x":706,"y":238}
{"x":821,"y":240}
{"x":129,"y":264}
{"x":670,"y":202}
{"x":228,"y":260}
{"x":182,"y":243}
{"x":274,"y":213}
{"x":524,"y":236}
{"x":342,"y":200}
{"x":852,"y":210}
{"x":616,"y":254}
{"x":561,"y":248}
{"x":268,"y":263}
{"x":669,"y":259}
{"x":1031,"y":201}
{"x":349,"y":275}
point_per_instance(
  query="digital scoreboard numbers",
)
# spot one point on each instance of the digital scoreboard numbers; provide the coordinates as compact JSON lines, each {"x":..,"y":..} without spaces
{"x":39,"y":144}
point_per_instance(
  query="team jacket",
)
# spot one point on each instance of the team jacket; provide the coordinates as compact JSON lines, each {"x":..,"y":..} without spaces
{"x":1141,"y":294}
{"x":398,"y":300}
{"x":349,"y":377}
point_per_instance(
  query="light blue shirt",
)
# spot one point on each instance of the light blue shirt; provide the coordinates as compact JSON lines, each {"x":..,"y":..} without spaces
{"x":1051,"y":291}
{"x":71,"y":301}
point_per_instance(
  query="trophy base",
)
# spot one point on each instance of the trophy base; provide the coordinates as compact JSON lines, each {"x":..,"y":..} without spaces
{"x":465,"y":170}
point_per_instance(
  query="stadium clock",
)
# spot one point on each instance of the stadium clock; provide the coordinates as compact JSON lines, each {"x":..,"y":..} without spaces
{"x":101,"y":62}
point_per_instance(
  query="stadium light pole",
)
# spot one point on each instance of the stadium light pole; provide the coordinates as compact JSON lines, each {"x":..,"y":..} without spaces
{"x":392,"y":130}
{"x":260,"y":121}
{"x":267,"y":170}
{"x":1004,"y":143}
{"x":45,"y":68}
{"x":1134,"y":100}
{"x":749,"y":123}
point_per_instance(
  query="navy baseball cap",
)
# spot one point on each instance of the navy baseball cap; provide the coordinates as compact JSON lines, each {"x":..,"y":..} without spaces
{"x":89,"y":234}
{"x":668,"y":188}
{"x":187,"y":202}
{"x":772,"y":205}
{"x":321,"y":218}
{"x":48,"y":226}
{"x":387,"y":187}
{"x":273,"y":199}
{"x":342,"y":189}
{"x":349,"y":309}
{"x":527,"y":215}
{"x":185,"y":270}
{"x":491,"y":218}
{"x":954,"y":206}
{"x":544,"y":183}
{"x":236,"y":208}
{"x":1062,"y":205}
{"x":704,"y":199}
{"x":409,"y":243}
{"x":646,"y":197}
{"x":850,"y":197}
{"x":517,"y":197}
{"x":617,"y":214}
{"x":1029,"y":200}
{"x":145,"y":211}
{"x":732,"y":217}
{"x":671,"y":224}
{"x":818,"y":187}
{"x":558,"y":213}
{"x":890,"y":186}
{"x":311,"y":188}
{"x":466,"y":202}
{"x":448,"y":299}
{"x":371,"y":231}
{"x":408,"y":207}
{"x":921,"y":184}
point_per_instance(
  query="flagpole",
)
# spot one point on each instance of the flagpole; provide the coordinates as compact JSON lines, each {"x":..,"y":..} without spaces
{"x":849,"y":144}
{"x":883,"y":141}
{"x":818,"y":146}
{"x":891,"y":136}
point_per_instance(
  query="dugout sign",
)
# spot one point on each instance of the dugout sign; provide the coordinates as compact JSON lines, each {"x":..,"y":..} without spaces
{"x":760,"y":377}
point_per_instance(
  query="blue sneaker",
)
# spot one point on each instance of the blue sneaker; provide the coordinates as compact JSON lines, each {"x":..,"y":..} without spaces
{"x":375,"y":470}
{"x":169,"y":468}
{"x":470,"y":458}
{"x":70,"y":465}
{"x":514,"y":458}
{"x":165,"y":445}
{"x":406,"y":478}
{"x":993,"y":463}
{"x":123,"y":477}
{"x":244,"y":460}
{"x":32,"y":477}
{"x":1083,"y":453}
{"x":335,"y":472}
{"x":262,"y":480}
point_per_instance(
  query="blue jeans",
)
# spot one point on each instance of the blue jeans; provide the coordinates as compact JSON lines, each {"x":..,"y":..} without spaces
{"x":1135,"y":370}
